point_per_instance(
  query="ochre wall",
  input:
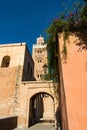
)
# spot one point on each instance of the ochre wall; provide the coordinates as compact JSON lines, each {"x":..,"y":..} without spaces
{"x":74,"y":73}
{"x":10,"y":77}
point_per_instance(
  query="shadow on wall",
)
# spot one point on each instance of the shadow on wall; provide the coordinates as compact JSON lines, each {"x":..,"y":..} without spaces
{"x":8,"y":123}
{"x":58,"y":120}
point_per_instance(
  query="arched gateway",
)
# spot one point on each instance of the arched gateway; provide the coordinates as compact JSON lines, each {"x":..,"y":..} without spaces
{"x":37,"y":102}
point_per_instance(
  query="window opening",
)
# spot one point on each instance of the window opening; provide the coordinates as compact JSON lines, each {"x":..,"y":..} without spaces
{"x":38,"y":75}
{"x":40,"y":51}
{"x":5,"y":61}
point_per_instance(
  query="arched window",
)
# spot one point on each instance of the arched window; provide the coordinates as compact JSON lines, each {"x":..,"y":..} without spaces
{"x":38,"y":76}
{"x":5,"y":61}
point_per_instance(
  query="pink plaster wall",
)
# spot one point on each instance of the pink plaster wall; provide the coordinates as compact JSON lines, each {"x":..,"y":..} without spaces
{"x":75,"y":84}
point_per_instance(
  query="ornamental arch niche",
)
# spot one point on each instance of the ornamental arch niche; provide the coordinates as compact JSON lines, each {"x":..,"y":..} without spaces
{"x":5,"y":61}
{"x":41,"y":108}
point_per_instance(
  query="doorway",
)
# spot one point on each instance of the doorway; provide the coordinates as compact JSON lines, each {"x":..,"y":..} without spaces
{"x":41,"y":108}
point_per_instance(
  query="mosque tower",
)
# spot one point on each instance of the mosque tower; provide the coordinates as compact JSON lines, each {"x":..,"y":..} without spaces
{"x":39,"y":54}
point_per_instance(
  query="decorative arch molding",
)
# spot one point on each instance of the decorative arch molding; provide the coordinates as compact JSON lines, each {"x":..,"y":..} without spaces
{"x":41,"y":92}
{"x":36,"y":90}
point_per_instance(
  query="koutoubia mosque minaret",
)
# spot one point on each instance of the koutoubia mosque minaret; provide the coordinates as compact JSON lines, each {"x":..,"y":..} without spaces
{"x":39,"y":54}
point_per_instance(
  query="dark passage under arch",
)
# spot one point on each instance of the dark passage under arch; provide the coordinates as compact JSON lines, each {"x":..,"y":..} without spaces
{"x":40,"y":104}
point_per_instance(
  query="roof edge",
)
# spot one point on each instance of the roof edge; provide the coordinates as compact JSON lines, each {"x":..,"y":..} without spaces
{"x":13,"y":44}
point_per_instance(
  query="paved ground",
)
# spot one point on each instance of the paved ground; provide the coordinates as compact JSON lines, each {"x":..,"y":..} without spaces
{"x":39,"y":126}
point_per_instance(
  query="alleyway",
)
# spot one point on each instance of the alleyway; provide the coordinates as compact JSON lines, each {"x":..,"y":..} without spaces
{"x":40,"y":126}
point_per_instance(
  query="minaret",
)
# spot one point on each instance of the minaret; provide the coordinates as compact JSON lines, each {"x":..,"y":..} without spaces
{"x":39,"y":54}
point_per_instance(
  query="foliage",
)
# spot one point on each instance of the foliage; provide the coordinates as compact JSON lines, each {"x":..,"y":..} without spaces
{"x":52,"y":50}
{"x":78,"y":25}
{"x":69,"y":23}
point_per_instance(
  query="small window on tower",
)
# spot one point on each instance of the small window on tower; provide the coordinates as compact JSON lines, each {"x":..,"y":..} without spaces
{"x":38,"y":75}
{"x":40,"y":60}
{"x":40,"y":51}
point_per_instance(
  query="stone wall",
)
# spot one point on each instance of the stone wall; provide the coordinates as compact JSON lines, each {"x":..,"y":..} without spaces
{"x":28,"y":90}
{"x":7,"y":89}
{"x":10,"y":77}
{"x":15,"y":95}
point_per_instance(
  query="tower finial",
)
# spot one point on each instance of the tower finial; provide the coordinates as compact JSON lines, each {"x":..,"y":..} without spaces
{"x":40,"y":35}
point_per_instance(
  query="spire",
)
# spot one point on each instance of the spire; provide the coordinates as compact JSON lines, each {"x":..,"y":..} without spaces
{"x":40,"y":35}
{"x":40,"y":40}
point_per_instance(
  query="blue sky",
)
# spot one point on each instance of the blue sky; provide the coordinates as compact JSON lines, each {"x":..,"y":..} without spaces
{"x":25,"y":20}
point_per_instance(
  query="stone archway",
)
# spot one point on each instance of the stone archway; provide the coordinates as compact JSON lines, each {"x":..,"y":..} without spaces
{"x":28,"y":91}
{"x":41,"y":108}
